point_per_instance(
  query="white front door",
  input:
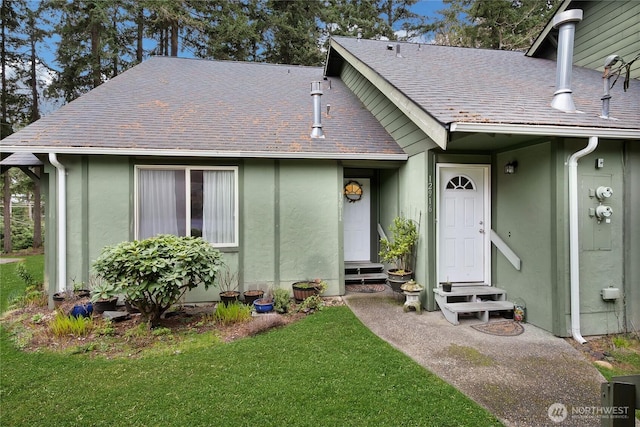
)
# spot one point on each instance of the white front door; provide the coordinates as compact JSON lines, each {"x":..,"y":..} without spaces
{"x":357,"y":224}
{"x":463,"y":223}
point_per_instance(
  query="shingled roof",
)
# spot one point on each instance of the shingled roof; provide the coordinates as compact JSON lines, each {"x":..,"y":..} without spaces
{"x":464,"y":85}
{"x":189,"y":107}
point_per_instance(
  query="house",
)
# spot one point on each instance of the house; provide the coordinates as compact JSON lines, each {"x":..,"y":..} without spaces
{"x":531,"y":203}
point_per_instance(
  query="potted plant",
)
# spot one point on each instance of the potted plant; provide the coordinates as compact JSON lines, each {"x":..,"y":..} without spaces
{"x":281,"y":300}
{"x":304,"y":289}
{"x":399,"y":251}
{"x":252,"y":295}
{"x":80,"y":291}
{"x":264,"y":304}
{"x":104,"y":296}
{"x":228,"y":283}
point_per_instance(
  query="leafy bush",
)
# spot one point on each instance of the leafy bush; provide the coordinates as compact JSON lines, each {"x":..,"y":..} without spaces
{"x":155,"y":273}
{"x":399,"y":249}
{"x":281,"y":300}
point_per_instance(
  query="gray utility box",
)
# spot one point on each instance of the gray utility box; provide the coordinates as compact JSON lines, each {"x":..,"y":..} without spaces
{"x":620,"y":398}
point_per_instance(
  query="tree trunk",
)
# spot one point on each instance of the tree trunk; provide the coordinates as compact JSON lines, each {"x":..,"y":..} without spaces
{"x":140,"y":34}
{"x":35,"y":109}
{"x":7,"y":212}
{"x":174,"y":39}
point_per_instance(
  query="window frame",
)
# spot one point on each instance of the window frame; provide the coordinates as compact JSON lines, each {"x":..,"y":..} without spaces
{"x":187,"y":170}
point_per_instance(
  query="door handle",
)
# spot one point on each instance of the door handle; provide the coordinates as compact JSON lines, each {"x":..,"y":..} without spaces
{"x":481,"y":231}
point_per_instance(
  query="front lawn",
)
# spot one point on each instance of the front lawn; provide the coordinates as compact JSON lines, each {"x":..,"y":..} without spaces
{"x":326,"y":369}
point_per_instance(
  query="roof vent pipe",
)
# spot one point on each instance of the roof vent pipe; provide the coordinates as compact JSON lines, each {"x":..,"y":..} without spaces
{"x":606,"y":78}
{"x":316,"y":94}
{"x":398,"y":51}
{"x":566,"y":24}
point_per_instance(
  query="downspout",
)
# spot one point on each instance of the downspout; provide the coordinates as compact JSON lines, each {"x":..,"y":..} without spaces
{"x":574,"y":247}
{"x":62,"y":222}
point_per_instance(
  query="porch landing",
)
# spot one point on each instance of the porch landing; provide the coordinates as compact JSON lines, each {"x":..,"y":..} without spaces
{"x":471,"y":298}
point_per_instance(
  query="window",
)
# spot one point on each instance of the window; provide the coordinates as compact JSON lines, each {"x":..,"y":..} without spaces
{"x":460,"y":183}
{"x":188,"y":201}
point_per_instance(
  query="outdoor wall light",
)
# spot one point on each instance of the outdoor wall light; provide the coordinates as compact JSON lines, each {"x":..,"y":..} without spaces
{"x":510,"y":168}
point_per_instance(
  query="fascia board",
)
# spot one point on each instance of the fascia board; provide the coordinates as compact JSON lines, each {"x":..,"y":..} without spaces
{"x":202,"y":153}
{"x":545,"y":130}
{"x":434,"y":129}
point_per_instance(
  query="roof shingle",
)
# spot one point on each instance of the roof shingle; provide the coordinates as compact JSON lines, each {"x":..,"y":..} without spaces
{"x":186,"y":105}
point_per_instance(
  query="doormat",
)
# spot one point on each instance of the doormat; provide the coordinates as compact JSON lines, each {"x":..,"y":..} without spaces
{"x":365,"y":289}
{"x":508,"y":328}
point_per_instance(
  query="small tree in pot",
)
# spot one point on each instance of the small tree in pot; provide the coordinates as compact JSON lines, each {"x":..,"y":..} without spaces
{"x":154,"y":273}
{"x":399,"y":250}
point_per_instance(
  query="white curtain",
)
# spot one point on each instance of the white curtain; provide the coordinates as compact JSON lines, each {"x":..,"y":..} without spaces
{"x":218,"y":216}
{"x":157,"y":195}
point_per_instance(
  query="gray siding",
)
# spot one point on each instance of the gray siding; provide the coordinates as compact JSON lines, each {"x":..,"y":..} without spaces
{"x":607,"y":28}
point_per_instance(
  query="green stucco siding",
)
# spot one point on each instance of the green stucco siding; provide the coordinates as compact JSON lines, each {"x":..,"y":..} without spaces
{"x":289,"y":220}
{"x":601,"y":243}
{"x":522,"y":217}
{"x":308,"y":223}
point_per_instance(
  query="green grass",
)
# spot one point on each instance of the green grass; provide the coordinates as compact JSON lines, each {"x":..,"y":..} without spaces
{"x":327,"y":369}
{"x":11,"y":285}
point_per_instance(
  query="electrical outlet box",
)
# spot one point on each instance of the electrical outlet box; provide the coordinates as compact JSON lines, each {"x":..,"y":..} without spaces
{"x":609,"y":294}
{"x":599,"y":163}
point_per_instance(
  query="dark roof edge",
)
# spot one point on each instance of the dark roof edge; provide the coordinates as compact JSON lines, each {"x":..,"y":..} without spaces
{"x":203,"y":153}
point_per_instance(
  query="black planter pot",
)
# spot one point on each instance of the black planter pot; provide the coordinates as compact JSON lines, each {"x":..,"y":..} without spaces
{"x":396,"y":280}
{"x":101,"y":306}
{"x":229,"y":297}
{"x":252,"y":295}
{"x":58,"y":299}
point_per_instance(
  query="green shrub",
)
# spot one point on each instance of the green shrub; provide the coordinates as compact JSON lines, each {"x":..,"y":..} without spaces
{"x":63,"y":325}
{"x":281,"y":300}
{"x":155,"y":273}
{"x":228,"y":314}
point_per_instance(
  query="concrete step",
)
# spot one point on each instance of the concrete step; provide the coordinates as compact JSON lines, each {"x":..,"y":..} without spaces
{"x":474,"y":307}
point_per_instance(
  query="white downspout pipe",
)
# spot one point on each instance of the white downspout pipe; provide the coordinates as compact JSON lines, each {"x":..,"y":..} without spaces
{"x":574,"y":241}
{"x":62,"y":222}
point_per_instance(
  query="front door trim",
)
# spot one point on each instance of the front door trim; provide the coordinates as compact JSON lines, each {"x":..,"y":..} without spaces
{"x":486,"y":169}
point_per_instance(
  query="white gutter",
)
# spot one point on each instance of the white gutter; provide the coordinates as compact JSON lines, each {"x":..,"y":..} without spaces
{"x":574,"y":241}
{"x":61,"y":214}
{"x":203,"y":153}
{"x":545,"y":130}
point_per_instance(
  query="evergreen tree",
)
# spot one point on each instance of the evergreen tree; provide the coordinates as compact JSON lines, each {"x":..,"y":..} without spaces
{"x":398,"y":12}
{"x":494,"y":24}
{"x":227,"y":30}
{"x":293,"y":35}
{"x":353,"y":17}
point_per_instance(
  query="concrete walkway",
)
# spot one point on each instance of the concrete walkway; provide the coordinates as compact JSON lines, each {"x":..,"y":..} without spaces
{"x":517,"y":378}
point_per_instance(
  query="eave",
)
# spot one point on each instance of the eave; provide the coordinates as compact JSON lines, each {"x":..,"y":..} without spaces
{"x":202,"y":153}
{"x":545,"y":130}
